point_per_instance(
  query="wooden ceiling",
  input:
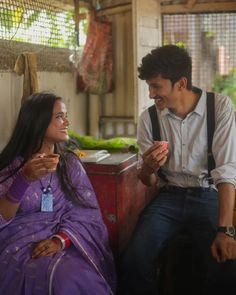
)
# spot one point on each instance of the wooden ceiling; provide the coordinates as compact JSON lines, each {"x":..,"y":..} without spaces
{"x":167,"y":6}
{"x":186,"y":6}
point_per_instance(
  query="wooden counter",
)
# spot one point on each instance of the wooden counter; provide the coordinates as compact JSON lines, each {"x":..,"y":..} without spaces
{"x":120,"y":194}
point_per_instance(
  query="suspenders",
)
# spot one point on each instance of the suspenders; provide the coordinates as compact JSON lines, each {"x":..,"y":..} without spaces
{"x":210,"y":131}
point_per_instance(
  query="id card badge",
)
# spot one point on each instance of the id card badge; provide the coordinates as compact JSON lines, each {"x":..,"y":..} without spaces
{"x":47,"y":202}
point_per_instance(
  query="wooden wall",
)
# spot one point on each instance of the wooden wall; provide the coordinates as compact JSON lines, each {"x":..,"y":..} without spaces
{"x":60,"y":83}
{"x":120,"y":103}
{"x":136,"y":30}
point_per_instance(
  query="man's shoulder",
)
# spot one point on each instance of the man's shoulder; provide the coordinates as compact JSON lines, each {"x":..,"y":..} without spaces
{"x":223,"y":101}
{"x":224,"y":107}
{"x":146,"y":118}
{"x":219,"y":97}
{"x":145,"y":113}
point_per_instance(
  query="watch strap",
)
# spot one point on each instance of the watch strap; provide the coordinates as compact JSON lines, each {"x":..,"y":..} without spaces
{"x":227,"y":230}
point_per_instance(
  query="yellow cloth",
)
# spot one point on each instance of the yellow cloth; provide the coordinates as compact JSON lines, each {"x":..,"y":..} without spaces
{"x":26,"y":64}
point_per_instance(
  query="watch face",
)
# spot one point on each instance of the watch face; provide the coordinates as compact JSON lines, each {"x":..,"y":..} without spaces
{"x":230,"y":231}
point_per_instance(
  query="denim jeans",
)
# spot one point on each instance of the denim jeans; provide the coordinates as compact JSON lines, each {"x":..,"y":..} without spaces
{"x":193,"y":209}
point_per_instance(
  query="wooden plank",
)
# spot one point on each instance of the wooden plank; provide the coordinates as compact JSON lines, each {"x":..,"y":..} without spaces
{"x":60,"y":4}
{"x":67,"y":4}
{"x":199,"y":7}
{"x":108,"y":3}
{"x":191,"y":3}
{"x":115,"y":10}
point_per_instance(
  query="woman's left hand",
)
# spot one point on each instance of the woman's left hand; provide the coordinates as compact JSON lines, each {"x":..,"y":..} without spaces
{"x":47,"y":247}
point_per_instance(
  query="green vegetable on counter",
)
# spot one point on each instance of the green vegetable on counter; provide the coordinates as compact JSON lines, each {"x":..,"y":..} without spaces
{"x":113,"y":144}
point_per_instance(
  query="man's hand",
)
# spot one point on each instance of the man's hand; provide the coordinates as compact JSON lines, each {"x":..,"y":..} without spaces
{"x":153,"y":159}
{"x":155,"y":156}
{"x":223,"y":248}
{"x":47,"y":247}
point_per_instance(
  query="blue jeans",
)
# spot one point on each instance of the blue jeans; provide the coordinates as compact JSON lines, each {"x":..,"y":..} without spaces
{"x":195,"y":210}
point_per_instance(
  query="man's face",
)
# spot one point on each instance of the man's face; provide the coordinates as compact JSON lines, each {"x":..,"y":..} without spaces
{"x":161,"y":90}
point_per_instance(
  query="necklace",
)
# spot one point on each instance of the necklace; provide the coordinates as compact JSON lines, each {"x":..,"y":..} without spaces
{"x":47,"y":196}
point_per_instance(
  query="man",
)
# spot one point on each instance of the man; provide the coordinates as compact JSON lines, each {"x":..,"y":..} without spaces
{"x":187,"y":199}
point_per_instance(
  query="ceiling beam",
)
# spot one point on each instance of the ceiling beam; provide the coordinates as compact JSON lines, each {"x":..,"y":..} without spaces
{"x":199,"y":7}
{"x":65,"y":5}
{"x":191,"y":3}
{"x":68,"y":4}
{"x":114,"y":9}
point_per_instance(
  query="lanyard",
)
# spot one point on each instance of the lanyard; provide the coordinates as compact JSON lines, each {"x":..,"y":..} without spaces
{"x":46,"y":197}
{"x":48,"y":188}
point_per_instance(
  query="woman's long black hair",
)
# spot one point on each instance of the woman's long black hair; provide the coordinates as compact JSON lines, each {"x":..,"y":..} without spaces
{"x":27,"y":139}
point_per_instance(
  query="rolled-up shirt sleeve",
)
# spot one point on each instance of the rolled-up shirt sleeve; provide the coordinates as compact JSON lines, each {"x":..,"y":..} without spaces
{"x":224,"y":142}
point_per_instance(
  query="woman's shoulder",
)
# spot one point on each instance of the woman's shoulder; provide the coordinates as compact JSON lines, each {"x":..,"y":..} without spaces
{"x":71,"y":157}
{"x":72,"y":161}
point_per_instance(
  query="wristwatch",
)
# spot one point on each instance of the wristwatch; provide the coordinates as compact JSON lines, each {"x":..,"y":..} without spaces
{"x":227,"y":230}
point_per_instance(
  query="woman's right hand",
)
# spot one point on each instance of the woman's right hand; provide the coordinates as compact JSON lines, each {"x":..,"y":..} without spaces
{"x":40,"y":165}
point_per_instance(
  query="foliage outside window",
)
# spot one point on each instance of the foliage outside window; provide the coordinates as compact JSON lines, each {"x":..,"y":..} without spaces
{"x":38,"y":27}
{"x":41,"y":28}
{"x":210,"y":39}
{"x":226,"y":84}
{"x":39,"y":24}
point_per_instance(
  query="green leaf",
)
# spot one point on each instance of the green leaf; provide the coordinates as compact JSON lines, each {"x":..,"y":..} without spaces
{"x":6,"y":18}
{"x":32,"y":18}
{"x":226,"y":84}
{"x":17,"y":15}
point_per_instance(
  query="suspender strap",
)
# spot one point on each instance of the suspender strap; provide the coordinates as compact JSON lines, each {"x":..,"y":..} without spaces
{"x":210,"y":132}
{"x":155,"y":123}
{"x":156,"y":135}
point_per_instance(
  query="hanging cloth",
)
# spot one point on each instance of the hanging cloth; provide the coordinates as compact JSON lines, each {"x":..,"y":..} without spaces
{"x":26,"y":64}
{"x":96,"y":65}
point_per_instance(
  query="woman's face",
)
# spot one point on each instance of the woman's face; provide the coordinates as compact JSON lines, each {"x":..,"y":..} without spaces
{"x":57,"y":130}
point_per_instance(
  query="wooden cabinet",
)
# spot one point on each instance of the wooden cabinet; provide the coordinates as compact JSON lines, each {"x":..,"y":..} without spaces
{"x":120,"y":194}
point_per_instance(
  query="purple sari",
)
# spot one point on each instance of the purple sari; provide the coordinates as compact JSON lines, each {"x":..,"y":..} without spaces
{"x":85,"y":268}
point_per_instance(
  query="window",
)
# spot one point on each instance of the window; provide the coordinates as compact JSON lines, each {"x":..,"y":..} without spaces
{"x":38,"y":26}
{"x":211,"y":40}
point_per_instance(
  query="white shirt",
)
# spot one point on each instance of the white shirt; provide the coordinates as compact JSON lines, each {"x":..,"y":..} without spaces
{"x":186,"y":165}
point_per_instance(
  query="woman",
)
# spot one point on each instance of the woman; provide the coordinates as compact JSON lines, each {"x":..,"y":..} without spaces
{"x":52,"y":237}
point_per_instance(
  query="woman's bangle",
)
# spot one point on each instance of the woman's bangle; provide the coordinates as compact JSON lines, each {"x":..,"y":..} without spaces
{"x":17,"y":189}
{"x":64,"y":239}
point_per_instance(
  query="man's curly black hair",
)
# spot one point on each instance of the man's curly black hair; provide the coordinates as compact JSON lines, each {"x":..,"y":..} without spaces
{"x":170,"y":62}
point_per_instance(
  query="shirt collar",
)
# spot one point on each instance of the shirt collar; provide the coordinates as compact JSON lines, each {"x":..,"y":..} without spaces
{"x":200,"y":107}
